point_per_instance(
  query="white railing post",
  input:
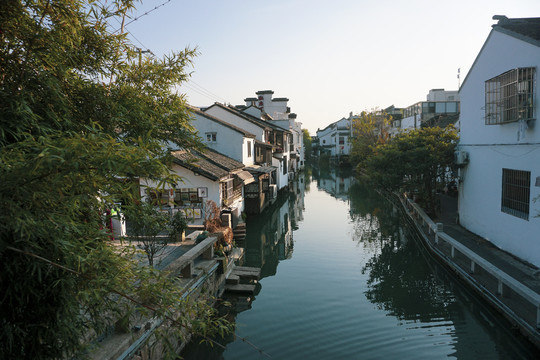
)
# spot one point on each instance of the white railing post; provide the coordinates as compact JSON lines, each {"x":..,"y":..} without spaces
{"x":500,"y":287}
{"x":473,"y":264}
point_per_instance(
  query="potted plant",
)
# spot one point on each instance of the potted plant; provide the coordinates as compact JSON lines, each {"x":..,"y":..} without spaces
{"x":178,"y":226}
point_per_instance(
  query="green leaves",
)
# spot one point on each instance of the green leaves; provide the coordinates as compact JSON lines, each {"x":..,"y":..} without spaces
{"x":81,"y":120}
{"x":417,"y":161}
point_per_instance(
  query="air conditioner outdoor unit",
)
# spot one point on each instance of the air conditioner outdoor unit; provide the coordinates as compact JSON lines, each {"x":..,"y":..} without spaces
{"x":461,"y":158}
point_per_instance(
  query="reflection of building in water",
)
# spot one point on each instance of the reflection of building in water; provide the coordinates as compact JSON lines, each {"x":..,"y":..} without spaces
{"x":335,"y":184}
{"x":269,"y":236}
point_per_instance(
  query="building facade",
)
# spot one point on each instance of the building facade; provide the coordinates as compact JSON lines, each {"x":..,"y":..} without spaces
{"x":499,"y":147}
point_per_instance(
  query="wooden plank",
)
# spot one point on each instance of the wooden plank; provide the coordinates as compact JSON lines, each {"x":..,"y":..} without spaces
{"x":240,"y":288}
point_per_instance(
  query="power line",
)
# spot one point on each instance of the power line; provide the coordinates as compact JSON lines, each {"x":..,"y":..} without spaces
{"x":146,"y":13}
{"x":203,"y":89}
{"x":206,"y":95}
{"x":192,"y":85}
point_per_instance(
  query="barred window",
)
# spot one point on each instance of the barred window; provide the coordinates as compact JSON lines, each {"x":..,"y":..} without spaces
{"x":510,"y":96}
{"x":516,"y":191}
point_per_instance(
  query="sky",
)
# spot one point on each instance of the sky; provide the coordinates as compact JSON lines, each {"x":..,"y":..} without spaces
{"x":329,"y":58}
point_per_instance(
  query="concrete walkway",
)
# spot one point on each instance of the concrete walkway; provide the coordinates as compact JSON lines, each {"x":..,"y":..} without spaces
{"x":523,"y":313}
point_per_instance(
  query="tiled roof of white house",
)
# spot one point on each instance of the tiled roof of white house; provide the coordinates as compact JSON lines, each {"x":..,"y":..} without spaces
{"x":224,"y":123}
{"x":526,"y":29}
{"x":207,"y":162}
{"x":250,"y":118}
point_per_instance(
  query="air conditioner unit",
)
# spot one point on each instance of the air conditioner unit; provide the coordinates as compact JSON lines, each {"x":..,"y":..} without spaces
{"x":273,"y":191}
{"x":461,"y":158}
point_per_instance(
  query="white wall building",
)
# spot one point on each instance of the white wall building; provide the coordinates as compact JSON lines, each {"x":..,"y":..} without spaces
{"x":336,"y":137}
{"x":280,"y":114}
{"x":500,"y":184}
{"x":206,"y":175}
{"x":225,"y":138}
{"x":265,"y":132}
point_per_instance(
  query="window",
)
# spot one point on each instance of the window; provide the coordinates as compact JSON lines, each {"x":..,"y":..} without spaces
{"x":158,"y":197}
{"x":516,"y":191}
{"x":249,"y":148}
{"x":211,"y":137}
{"x":186,"y":197}
{"x":510,"y":96}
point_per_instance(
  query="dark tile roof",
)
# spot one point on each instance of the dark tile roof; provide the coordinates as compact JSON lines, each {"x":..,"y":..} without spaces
{"x":208,"y":163}
{"x":224,"y":123}
{"x":526,"y":29}
{"x":261,"y":92}
{"x":221,"y":160}
{"x":248,"y":117}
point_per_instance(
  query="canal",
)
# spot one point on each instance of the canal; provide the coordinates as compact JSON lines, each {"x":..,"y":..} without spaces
{"x":344,"y":276}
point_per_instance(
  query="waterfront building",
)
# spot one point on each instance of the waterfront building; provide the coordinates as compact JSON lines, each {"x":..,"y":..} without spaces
{"x":335,"y":139}
{"x":277,"y":111}
{"x":206,"y":175}
{"x":224,"y":137}
{"x":440,"y":109}
{"x":272,"y":145}
{"x":499,"y":147}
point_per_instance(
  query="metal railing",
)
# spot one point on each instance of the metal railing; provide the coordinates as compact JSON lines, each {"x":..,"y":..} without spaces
{"x":503,"y":279}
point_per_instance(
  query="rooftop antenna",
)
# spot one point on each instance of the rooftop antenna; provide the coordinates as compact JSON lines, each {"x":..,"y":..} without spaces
{"x":458,"y":78}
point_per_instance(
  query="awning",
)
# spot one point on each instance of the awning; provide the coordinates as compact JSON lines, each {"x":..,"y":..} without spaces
{"x":245,"y":176}
{"x":262,"y":169}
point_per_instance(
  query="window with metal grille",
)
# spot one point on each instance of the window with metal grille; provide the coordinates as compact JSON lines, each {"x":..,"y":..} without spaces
{"x":510,"y":96}
{"x":516,"y":191}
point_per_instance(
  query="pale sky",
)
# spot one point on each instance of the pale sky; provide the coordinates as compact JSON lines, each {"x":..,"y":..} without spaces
{"x":327,"y":57}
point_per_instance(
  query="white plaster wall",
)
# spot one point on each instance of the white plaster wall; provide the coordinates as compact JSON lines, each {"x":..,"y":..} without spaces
{"x":443,"y":95}
{"x":253,"y":111}
{"x":497,"y":57}
{"x":229,"y":142}
{"x":494,"y":147}
{"x":480,"y":199}
{"x":247,"y":160}
{"x":233,"y":119}
{"x":282,"y":180}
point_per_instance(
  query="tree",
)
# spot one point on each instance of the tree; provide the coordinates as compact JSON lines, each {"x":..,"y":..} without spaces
{"x":81,"y":116}
{"x":307,"y":145}
{"x":419,"y":161}
{"x":369,"y":130}
{"x":147,"y":225}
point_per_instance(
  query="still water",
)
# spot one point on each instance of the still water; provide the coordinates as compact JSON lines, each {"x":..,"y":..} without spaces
{"x":345,"y":277}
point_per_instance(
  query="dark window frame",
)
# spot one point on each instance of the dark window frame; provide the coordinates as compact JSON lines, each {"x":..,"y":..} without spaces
{"x":516,"y":193}
{"x":510,"y":96}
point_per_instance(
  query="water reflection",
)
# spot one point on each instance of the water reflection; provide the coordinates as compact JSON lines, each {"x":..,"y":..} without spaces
{"x":354,"y":273}
{"x":407,"y":284}
{"x":269,"y":236}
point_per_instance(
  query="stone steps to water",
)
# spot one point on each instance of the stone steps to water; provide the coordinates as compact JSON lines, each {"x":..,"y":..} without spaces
{"x":239,"y":234}
{"x":247,"y":273}
{"x":240,"y":288}
{"x":232,"y":280}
